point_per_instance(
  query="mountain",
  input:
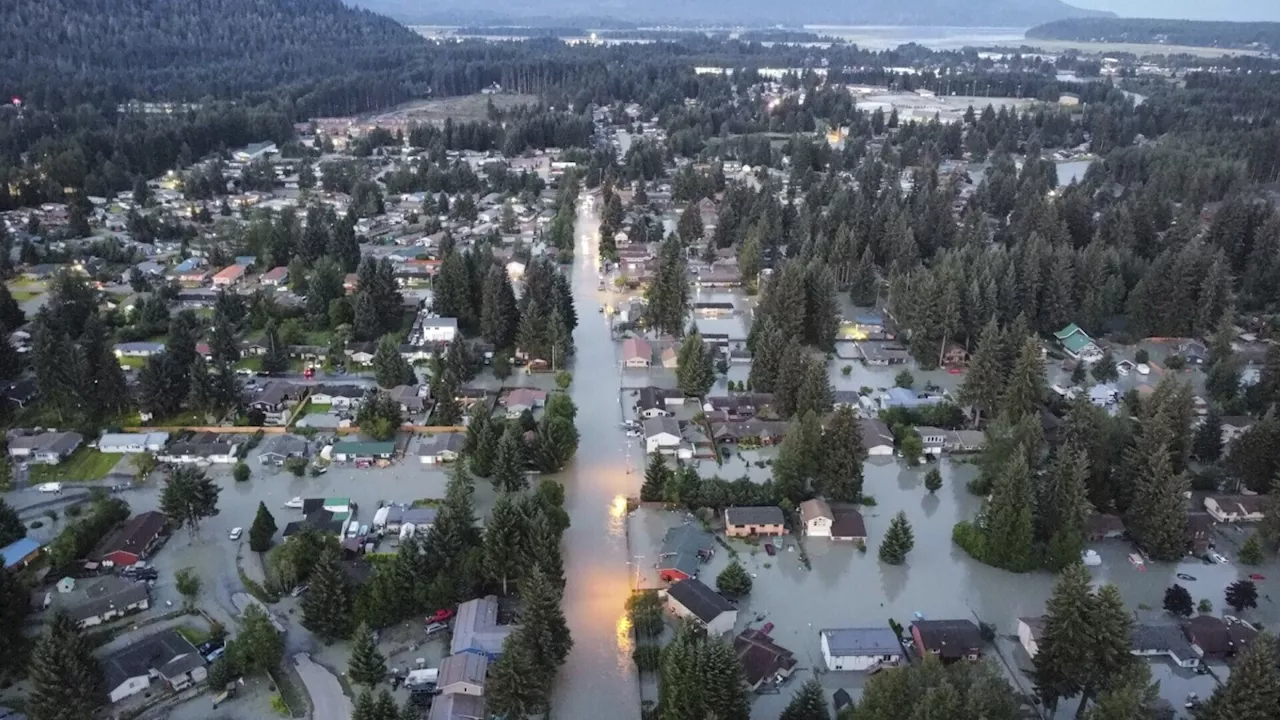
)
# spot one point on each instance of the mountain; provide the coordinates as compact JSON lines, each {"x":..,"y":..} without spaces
{"x":1263,"y":36}
{"x":962,"y":13}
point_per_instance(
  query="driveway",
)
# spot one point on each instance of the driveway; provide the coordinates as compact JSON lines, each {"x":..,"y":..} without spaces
{"x":327,"y":700}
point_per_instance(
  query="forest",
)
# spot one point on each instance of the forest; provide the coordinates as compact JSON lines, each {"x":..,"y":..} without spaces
{"x":1202,"y":33}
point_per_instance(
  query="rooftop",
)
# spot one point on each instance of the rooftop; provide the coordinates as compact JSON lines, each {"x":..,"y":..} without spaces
{"x":846,"y":642}
{"x":706,"y":604}
{"x":759,"y":515}
{"x":154,"y":652}
{"x":476,"y":627}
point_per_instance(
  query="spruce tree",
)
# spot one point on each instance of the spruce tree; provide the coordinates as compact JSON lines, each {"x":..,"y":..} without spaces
{"x":695,"y":366}
{"x":1025,"y":390}
{"x":262,"y":529}
{"x":1207,"y":443}
{"x":656,"y":475}
{"x":390,"y":369}
{"x":11,"y":527}
{"x":983,"y":384}
{"x":1253,"y":689}
{"x":517,"y":683}
{"x":767,"y":356}
{"x":814,"y":391}
{"x":1063,"y":657}
{"x":1111,"y":646}
{"x":508,"y":466}
{"x":1009,"y":527}
{"x":898,"y":540}
{"x":1242,"y":595}
{"x":733,"y":581}
{"x":66,"y":681}
{"x":1250,"y":551}
{"x":326,"y":608}
{"x":366,"y":667}
{"x":1062,"y":506}
{"x":810,"y":703}
{"x":542,"y":620}
{"x":498,"y":314}
{"x":1158,"y":514}
{"x":503,"y":535}
{"x":933,"y":480}
{"x":840,"y":462}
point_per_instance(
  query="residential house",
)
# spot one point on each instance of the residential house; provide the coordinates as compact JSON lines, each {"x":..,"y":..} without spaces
{"x":276,"y":276}
{"x":340,"y":397}
{"x":692,"y":599}
{"x":954,"y":355}
{"x":751,"y":521}
{"x":456,"y":706}
{"x":1166,"y":640}
{"x":476,"y":628}
{"x":765,"y":664}
{"x":438,"y":329}
{"x":274,"y":399}
{"x":149,"y":442}
{"x":636,"y":353}
{"x":519,"y":400}
{"x":948,"y":639}
{"x":361,"y":353}
{"x":713,"y":309}
{"x":966,"y":441}
{"x":441,"y":448}
{"x":669,"y":358}
{"x":906,"y":398}
{"x":1104,"y":395}
{"x":362,"y":452}
{"x":738,"y":406}
{"x":164,"y":656}
{"x":1104,"y":526}
{"x":1236,"y":508}
{"x":848,"y":525}
{"x":411,"y":398}
{"x":1233,"y":426}
{"x":416,"y":521}
{"x":877,"y":440}
{"x":760,"y":432}
{"x":229,"y":276}
{"x":20,"y":553}
{"x":1199,"y":529}
{"x":935,"y":440}
{"x":138,"y":349}
{"x":1078,"y":344}
{"x":203,"y":448}
{"x":881,"y":354}
{"x":43,"y":448}
{"x":653,"y":403}
{"x":278,"y":448}
{"x":1216,"y":638}
{"x":253,"y":151}
{"x":1030,"y":631}
{"x":684,"y":549}
{"x":860,"y":649}
{"x":109,"y":598}
{"x":133,"y":541}
{"x":661,"y":434}
{"x":463,"y":674}
{"x":1193,"y":351}
{"x":816,"y":517}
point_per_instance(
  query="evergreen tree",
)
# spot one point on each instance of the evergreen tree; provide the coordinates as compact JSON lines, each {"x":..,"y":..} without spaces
{"x":488,"y":433}
{"x":840,"y":464}
{"x":1062,"y":506}
{"x":262,"y":529}
{"x":498,"y":315}
{"x":822,"y":309}
{"x":189,"y":496}
{"x":656,"y":476}
{"x":1158,"y":514}
{"x":508,"y":472}
{"x":555,"y":443}
{"x":1207,"y":443}
{"x":695,"y":369}
{"x":1025,"y":390}
{"x":11,"y":527}
{"x":390,"y":369}
{"x":1242,"y":595}
{"x":326,"y":608}
{"x":1009,"y":527}
{"x":366,"y":666}
{"x":809,"y":703}
{"x":1131,"y":696}
{"x":733,"y":581}
{"x":542,"y":620}
{"x":1253,"y":689}
{"x":690,"y":226}
{"x":1111,"y":645}
{"x":700,"y":678}
{"x":898,"y":540}
{"x":502,"y":541}
{"x":379,"y":416}
{"x":933,"y":480}
{"x":1250,"y":551}
{"x":1177,"y":601}
{"x":983,"y":384}
{"x":517,"y":684}
{"x":66,"y":681}
{"x":813,"y":393}
{"x":767,"y":356}
{"x":668,"y":292}
{"x":1269,"y":528}
{"x":863,"y":286}
{"x":276,"y":357}
{"x":1063,"y":658}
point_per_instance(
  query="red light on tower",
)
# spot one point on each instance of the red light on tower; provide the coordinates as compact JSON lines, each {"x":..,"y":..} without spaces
{"x":17,"y":101}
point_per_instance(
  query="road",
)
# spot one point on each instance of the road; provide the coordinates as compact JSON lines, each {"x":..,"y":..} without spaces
{"x":599,"y":673}
{"x":327,"y":699}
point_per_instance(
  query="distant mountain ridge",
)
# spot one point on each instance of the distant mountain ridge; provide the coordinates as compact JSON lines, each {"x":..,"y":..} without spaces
{"x":1262,"y":36}
{"x":959,"y":13}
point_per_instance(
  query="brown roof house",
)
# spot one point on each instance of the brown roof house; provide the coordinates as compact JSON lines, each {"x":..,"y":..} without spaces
{"x":748,"y":521}
{"x":764,"y":663}
{"x":1219,"y":638}
{"x":133,"y":541}
{"x":1236,"y":508}
{"x":636,"y":353}
{"x":950,"y":640}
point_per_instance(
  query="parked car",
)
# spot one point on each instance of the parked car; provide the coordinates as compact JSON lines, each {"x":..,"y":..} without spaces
{"x":634,"y":433}
{"x":53,"y":487}
{"x":434,"y":628}
{"x":236,"y":533}
{"x":441,"y":615}
{"x":770,"y":549}
{"x":294,"y":504}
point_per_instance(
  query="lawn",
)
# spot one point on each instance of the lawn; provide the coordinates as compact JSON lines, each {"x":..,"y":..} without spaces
{"x":131,"y":361}
{"x":254,"y":363}
{"x":25,"y":295}
{"x":84,"y":464}
{"x":315,"y":408}
{"x":195,"y":636}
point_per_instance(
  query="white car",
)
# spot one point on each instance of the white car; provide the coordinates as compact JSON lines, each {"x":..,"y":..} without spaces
{"x":236,"y":533}
{"x":294,"y":504}
{"x":1217,"y":558}
{"x":634,"y":433}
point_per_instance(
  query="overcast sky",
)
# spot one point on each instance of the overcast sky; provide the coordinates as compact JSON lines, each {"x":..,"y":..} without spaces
{"x":1241,"y":10}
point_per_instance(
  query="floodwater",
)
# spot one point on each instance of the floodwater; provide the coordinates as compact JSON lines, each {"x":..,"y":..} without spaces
{"x":599,"y":673}
{"x":1073,"y":171}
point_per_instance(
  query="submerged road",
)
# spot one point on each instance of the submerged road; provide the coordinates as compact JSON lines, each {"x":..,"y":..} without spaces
{"x":599,"y":678}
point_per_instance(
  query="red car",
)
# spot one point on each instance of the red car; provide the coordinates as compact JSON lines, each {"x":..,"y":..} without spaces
{"x":440,"y":616}
{"x":767,"y":628}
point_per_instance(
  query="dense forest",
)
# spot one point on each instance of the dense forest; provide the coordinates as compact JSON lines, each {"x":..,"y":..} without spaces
{"x":1233,"y":35}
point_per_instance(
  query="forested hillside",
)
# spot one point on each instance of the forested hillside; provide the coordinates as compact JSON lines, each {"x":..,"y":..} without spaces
{"x":1230,"y":35}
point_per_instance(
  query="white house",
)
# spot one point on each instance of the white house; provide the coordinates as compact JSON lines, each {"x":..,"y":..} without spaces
{"x":44,"y":448}
{"x":164,"y":656}
{"x":152,"y":442}
{"x":860,"y":649}
{"x":876,"y":438}
{"x":442,"y":448}
{"x":1030,"y":630}
{"x":1236,"y":508}
{"x":817,"y":518}
{"x":439,"y":329}
{"x":935,"y":440}
{"x":1167,"y":640}
{"x":661,"y":434}
{"x":692,"y":599}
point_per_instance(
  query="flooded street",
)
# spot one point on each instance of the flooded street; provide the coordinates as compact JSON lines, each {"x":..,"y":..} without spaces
{"x":599,"y":673}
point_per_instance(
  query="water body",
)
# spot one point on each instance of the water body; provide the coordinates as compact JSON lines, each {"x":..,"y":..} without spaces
{"x":1073,"y":171}
{"x":599,"y":678}
{"x":937,"y":38}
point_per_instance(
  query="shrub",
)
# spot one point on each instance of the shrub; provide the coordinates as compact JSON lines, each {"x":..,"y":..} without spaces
{"x":1142,"y":357}
{"x":646,"y":657}
{"x":296,"y":465}
{"x":240,"y":472}
{"x":969,"y":538}
{"x":73,"y":511}
{"x":847,"y":370}
{"x":278,"y":704}
{"x":563,"y":379}
{"x":1175,"y":362}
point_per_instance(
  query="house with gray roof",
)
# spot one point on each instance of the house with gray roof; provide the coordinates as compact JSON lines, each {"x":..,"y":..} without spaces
{"x":1166,"y":639}
{"x":860,"y":649}
{"x":441,"y":448}
{"x":165,"y":656}
{"x":278,"y":448}
{"x":109,"y":598}
{"x":476,"y":628}
{"x":684,"y":549}
{"x":757,"y":520}
{"x":43,"y":448}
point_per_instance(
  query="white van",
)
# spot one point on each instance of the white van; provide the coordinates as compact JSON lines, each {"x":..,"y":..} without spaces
{"x":53,"y":487}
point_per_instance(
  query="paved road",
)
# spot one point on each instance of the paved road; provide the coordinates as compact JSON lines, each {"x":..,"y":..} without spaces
{"x":599,"y":673}
{"x":327,"y":700}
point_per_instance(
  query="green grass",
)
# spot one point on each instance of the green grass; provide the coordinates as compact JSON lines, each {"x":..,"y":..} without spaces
{"x":254,"y":363}
{"x":195,"y":636}
{"x":315,"y":408}
{"x":25,"y":295}
{"x":133,"y":362}
{"x":84,"y":464}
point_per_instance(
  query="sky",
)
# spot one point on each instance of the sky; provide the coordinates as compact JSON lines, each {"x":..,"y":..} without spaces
{"x":1239,"y":10}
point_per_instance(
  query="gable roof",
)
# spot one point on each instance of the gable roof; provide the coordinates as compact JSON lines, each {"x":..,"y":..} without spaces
{"x":706,"y":604}
{"x":165,"y":649}
{"x":456,"y":706}
{"x":681,"y":547}
{"x":760,"y":656}
{"x":1162,"y":638}
{"x":815,"y":508}
{"x":476,"y":627}
{"x":636,"y":348}
{"x":110,"y":593}
{"x":754,"y":515}
{"x":849,"y":642}
{"x":657,"y":426}
{"x":463,"y":667}
{"x":134,"y":536}
{"x":18,"y":550}
{"x":874,"y":432}
{"x":949,"y":638}
{"x":848,"y":523}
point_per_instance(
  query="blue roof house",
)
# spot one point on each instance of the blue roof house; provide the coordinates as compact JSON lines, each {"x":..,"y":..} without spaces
{"x":19,"y":552}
